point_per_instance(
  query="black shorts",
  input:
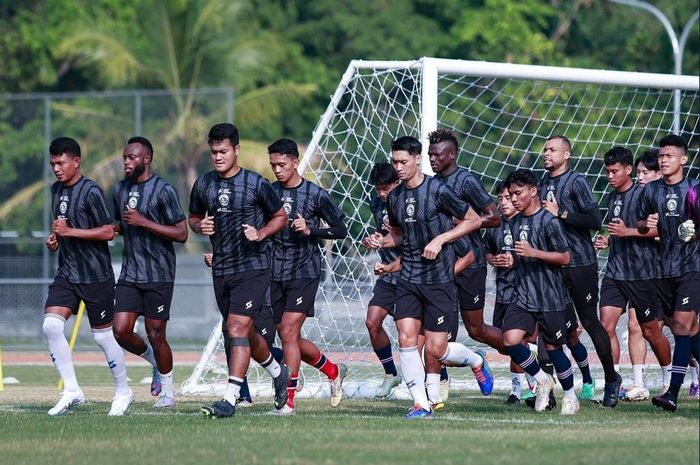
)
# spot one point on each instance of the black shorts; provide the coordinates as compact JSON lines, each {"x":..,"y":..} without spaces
{"x":98,"y":298}
{"x":471,"y":289}
{"x":384,"y":296}
{"x":571,"y":319}
{"x":552,"y":325}
{"x":499,"y":312}
{"x":640,"y":295}
{"x":582,"y":284}
{"x":152,"y":300}
{"x":241,"y":293}
{"x":680,"y":294}
{"x":295,"y":295}
{"x":433,"y":304}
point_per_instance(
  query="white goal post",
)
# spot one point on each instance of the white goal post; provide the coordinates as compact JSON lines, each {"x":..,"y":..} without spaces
{"x":502,"y":114}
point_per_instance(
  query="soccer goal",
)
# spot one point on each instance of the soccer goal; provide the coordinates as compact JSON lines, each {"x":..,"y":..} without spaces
{"x":502,"y":115}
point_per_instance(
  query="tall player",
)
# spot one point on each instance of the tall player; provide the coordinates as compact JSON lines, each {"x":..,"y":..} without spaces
{"x":628,"y":277}
{"x":238,"y":210}
{"x":679,"y":286}
{"x":296,"y":266}
{"x":384,"y":179}
{"x":421,"y":212}
{"x":568,"y":196}
{"x":80,"y":231}
{"x":147,"y":213}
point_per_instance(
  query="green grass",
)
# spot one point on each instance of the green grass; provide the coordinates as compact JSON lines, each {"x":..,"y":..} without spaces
{"x":471,"y":429}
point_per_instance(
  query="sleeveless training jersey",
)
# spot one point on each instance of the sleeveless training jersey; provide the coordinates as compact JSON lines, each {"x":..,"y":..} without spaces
{"x":423,"y":213}
{"x":83,"y":206}
{"x":245,"y":198}
{"x":295,"y":256}
{"x":147,"y":257}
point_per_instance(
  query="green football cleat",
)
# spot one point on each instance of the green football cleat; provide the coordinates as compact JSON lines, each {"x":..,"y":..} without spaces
{"x":387,"y":387}
{"x":588,"y":391}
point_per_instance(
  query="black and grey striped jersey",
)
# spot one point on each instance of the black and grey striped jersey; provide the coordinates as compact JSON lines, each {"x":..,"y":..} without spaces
{"x":629,"y":257}
{"x":423,"y":213}
{"x":468,"y":188}
{"x":497,"y":241}
{"x":245,"y":198}
{"x":692,"y":206}
{"x":573,"y":194}
{"x":677,"y":257}
{"x":83,"y":205}
{"x":539,"y":286}
{"x":388,"y":255}
{"x":294,"y":255}
{"x":147,"y":257}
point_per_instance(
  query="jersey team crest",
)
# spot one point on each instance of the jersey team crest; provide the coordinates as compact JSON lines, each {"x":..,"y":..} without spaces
{"x":410,"y":210}
{"x":133,"y":201}
{"x":672,"y":205}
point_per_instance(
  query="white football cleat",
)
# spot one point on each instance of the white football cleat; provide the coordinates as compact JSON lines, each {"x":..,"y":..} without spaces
{"x":67,"y":401}
{"x":121,"y":403}
{"x":636,"y":394}
{"x":283,"y":412}
{"x":569,"y":406}
{"x":337,"y":385}
{"x":543,"y":390}
{"x":164,"y":402}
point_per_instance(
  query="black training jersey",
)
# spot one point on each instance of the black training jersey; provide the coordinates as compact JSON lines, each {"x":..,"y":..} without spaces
{"x":423,"y":213}
{"x":630,"y":258}
{"x":692,"y":206}
{"x":573,"y":194}
{"x":468,"y":188}
{"x":677,"y":257}
{"x":83,"y":205}
{"x":497,"y":241}
{"x":245,"y":198}
{"x":539,"y":286}
{"x":147,"y":257}
{"x":294,"y":255}
{"x":388,"y":255}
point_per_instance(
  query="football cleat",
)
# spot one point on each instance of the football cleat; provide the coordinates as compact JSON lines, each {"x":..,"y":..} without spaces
{"x":483,"y":375}
{"x":337,"y":385}
{"x":512,"y":400}
{"x":155,"y":383}
{"x":387,"y":387}
{"x":67,"y":401}
{"x":418,"y":412}
{"x":665,"y":401}
{"x":569,"y":406}
{"x":694,"y":391}
{"x":300,"y":381}
{"x":543,"y":392}
{"x":530,"y":402}
{"x":121,"y":403}
{"x":164,"y":402}
{"x":611,"y":392}
{"x":285,"y":411}
{"x":437,"y":406}
{"x":280,"y":384}
{"x":636,"y":394}
{"x":588,"y":391}
{"x":445,"y":388}
{"x":219,"y":409}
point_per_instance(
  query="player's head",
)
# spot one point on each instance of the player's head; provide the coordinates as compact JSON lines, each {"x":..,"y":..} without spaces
{"x":224,"y":147}
{"x":505,"y":206}
{"x":65,"y":159}
{"x":647,"y":166}
{"x":556,"y":153}
{"x":442,"y":150}
{"x":522,"y":187}
{"x":284,"y":159}
{"x":618,"y":166}
{"x":405,"y":156}
{"x":673,"y":154}
{"x":137,"y":156}
{"x":384,"y":178}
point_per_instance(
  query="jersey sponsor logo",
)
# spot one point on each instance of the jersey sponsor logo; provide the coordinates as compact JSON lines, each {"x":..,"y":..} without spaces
{"x":671,"y":205}
{"x":224,"y":198}
{"x":133,"y":201}
{"x":410,"y":210}
{"x":160,"y":308}
{"x":440,"y":320}
{"x":300,"y":300}
{"x":249,"y":305}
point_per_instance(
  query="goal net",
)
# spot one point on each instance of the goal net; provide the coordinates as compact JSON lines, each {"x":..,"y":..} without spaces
{"x":502,"y":115}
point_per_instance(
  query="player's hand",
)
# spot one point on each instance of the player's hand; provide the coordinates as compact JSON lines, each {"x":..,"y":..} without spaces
{"x":206,"y":226}
{"x":380,"y":268}
{"x":600,"y":242}
{"x":373,"y":241}
{"x":299,"y":225}
{"x":617,"y":228}
{"x":503,"y":260}
{"x":252,"y":234}
{"x":433,"y":248}
{"x":117,"y":228}
{"x":524,"y":249}
{"x":133,"y":218}
{"x":687,"y":230}
{"x":59,"y":226}
{"x":551,"y":205}
{"x":52,"y":242}
{"x":209,"y":259}
{"x":653,"y":220}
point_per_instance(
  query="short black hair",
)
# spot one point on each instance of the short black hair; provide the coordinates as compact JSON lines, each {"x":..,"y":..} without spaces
{"x":408,"y":144}
{"x":618,"y":154}
{"x":222,"y":131}
{"x":650,"y":160}
{"x":383,"y":174}
{"x":522,"y":177}
{"x":284,"y":146}
{"x":143,"y":141}
{"x":443,"y":135}
{"x":61,"y":145}
{"x":675,"y":141}
{"x":566,"y":141}
{"x":500,"y":186}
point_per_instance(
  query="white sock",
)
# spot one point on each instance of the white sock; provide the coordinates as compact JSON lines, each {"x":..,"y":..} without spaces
{"x":570,"y":394}
{"x":617,"y":367}
{"x":53,"y":327}
{"x":541,"y":377}
{"x":233,"y":390}
{"x":666,"y":375}
{"x":414,"y":375}
{"x":115,"y":358}
{"x":516,"y":381}
{"x":149,"y":356}
{"x":272,"y":366}
{"x":638,"y":371}
{"x":432,"y":385}
{"x":166,"y":383}
{"x":459,"y":355}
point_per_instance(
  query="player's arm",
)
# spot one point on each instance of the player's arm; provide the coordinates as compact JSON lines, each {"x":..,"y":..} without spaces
{"x":100,"y":233}
{"x":393,"y":238}
{"x":524,"y":249}
{"x":201,"y":223}
{"x":490,"y":217}
{"x":173,"y":232}
{"x":469,"y":223}
{"x":618,"y":228}
{"x":275,"y":224}
{"x":385,"y":268}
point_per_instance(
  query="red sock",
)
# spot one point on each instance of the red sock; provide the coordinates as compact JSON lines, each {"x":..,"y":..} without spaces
{"x":292,"y":388}
{"x":328,"y":368}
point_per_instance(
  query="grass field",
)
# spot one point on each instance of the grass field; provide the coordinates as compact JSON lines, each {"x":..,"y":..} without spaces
{"x":470,"y":430}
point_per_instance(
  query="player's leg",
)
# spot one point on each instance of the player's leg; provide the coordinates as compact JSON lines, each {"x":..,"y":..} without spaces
{"x":552,"y":327}
{"x":156,"y":331}
{"x":637,"y":347}
{"x":289,"y":331}
{"x":380,"y":305}
{"x":517,"y":375}
{"x":471,"y":291}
